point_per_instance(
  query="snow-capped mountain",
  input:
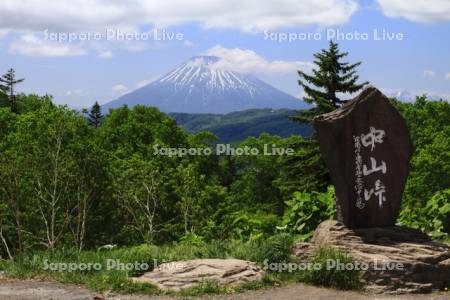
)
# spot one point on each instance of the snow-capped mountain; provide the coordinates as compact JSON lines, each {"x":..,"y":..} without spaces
{"x":201,"y":86}
{"x":407,"y":96}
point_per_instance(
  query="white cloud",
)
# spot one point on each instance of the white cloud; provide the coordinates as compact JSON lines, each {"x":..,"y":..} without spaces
{"x":145,"y":82}
{"x":76,"y":92}
{"x":249,"y":15}
{"x":31,"y":45}
{"x":447,"y":76}
{"x":106,"y":54}
{"x":76,"y":16}
{"x":417,"y":10}
{"x":248,"y":61}
{"x":120,"y":89}
{"x":429,"y":73}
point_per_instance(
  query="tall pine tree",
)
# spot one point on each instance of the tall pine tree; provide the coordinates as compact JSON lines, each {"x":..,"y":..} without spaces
{"x":8,"y":82}
{"x":3,"y":96}
{"x":95,"y":117}
{"x":2,"y":88}
{"x":330,"y":77}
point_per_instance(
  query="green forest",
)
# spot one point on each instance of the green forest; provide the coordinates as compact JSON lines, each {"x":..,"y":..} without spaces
{"x":237,"y":126}
{"x":73,"y":183}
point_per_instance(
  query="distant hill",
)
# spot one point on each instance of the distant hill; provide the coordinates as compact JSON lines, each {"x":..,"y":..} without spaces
{"x":237,"y":126}
{"x":201,"y":85}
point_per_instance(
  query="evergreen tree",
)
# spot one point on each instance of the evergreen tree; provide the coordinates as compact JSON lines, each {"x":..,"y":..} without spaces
{"x":2,"y":88}
{"x":331,"y":76}
{"x":3,"y":96}
{"x":95,"y":117}
{"x":7,"y":82}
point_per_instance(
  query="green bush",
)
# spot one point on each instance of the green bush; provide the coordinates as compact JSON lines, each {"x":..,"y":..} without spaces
{"x":437,"y":212}
{"x":273,"y":249}
{"x":191,"y":239}
{"x":433,"y":218}
{"x":247,"y":225}
{"x":277,"y":248}
{"x":307,"y":210}
{"x":332,"y":277}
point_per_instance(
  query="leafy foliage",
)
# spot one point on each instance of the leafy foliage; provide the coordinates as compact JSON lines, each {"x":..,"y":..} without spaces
{"x":438,"y":211}
{"x":66,"y":188}
{"x":307,"y":210}
{"x":430,"y":165}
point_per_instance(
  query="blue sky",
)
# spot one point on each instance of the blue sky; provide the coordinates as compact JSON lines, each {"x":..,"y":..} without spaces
{"x":81,"y":72}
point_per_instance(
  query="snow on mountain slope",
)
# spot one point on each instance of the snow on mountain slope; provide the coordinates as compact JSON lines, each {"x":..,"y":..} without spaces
{"x":199,"y":86}
{"x":407,"y":96}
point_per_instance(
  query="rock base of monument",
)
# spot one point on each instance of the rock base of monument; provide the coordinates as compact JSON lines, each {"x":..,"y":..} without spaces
{"x":391,"y":259}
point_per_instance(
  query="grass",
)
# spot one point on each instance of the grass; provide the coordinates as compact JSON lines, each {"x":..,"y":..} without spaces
{"x":338,"y":278}
{"x":99,"y":278}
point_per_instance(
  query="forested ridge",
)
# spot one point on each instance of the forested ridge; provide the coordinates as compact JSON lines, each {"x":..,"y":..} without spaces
{"x":236,"y":126}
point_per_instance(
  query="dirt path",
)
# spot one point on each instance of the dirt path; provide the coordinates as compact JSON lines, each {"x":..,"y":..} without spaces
{"x":30,"y":290}
{"x":37,"y":290}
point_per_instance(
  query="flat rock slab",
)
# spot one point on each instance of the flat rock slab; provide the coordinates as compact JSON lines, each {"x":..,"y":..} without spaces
{"x":176,"y":276}
{"x":426,"y":263}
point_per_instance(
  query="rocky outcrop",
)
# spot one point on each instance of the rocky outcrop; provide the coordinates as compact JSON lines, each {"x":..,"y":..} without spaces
{"x":179,"y":275}
{"x":367,"y":148}
{"x":399,"y":259}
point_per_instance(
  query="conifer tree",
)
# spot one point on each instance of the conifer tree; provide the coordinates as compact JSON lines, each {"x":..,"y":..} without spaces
{"x":8,"y":82}
{"x":95,"y":117}
{"x":2,"y":88}
{"x":3,"y":96}
{"x":328,"y":78}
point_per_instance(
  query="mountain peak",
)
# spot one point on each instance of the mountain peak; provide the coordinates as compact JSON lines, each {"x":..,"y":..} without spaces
{"x":200,"y":85}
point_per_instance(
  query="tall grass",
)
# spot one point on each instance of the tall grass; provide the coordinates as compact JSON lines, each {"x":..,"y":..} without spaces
{"x":339,"y":278}
{"x":40,"y":264}
{"x":272,"y":249}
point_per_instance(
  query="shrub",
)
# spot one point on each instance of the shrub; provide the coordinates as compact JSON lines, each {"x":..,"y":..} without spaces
{"x":307,"y":210}
{"x":437,"y":212}
{"x":433,"y":218}
{"x":332,"y":277}
{"x":251,"y":225}
{"x":273,"y":249}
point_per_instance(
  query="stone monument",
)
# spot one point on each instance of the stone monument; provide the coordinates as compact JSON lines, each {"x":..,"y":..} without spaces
{"x":367,"y":148}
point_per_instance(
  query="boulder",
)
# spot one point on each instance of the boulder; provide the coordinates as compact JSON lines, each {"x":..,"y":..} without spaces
{"x":399,"y":259}
{"x":367,"y":148}
{"x":179,"y":275}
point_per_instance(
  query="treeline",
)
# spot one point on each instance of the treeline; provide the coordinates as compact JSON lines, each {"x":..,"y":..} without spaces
{"x":426,"y":200}
{"x":81,"y":180}
{"x":66,"y":181}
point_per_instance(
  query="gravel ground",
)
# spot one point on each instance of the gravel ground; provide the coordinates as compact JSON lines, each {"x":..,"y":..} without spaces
{"x":38,"y":290}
